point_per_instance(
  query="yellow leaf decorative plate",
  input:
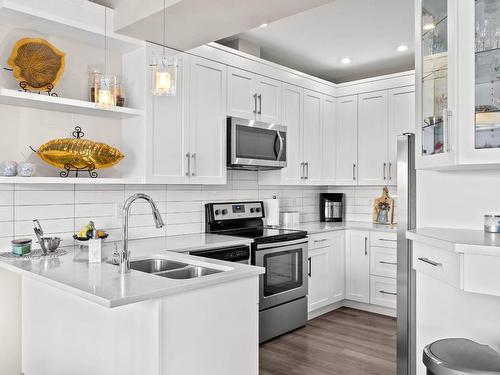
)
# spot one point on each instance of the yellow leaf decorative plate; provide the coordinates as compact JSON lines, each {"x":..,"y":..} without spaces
{"x":37,"y":63}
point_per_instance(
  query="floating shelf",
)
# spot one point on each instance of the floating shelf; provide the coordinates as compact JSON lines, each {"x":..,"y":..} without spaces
{"x":69,"y":180}
{"x":51,"y":103}
{"x":37,"y":15}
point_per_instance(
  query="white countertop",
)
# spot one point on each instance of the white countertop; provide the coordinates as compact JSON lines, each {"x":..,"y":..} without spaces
{"x":458,"y":240}
{"x":320,"y":227}
{"x":101,"y":283}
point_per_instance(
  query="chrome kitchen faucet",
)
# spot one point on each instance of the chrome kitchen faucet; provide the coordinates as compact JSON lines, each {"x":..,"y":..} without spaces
{"x":124,"y":254}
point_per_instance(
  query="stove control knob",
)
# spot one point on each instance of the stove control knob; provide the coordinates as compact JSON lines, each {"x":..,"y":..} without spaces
{"x":217,"y":212}
{"x":252,"y":210}
{"x":224,"y":211}
{"x":258,"y":209}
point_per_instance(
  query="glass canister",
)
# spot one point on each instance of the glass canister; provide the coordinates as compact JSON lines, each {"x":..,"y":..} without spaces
{"x":21,"y":246}
{"x":492,"y":223}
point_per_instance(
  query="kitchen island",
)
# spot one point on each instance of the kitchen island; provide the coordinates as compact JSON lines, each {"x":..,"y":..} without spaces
{"x":139,"y":323}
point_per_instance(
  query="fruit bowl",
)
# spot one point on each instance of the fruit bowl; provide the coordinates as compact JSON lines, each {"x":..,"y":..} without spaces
{"x":83,"y":240}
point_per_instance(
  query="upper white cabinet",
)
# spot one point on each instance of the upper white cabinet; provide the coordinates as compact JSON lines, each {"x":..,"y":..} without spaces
{"x":207,"y":120}
{"x":372,"y":138}
{"x":401,"y":120}
{"x":347,"y":140}
{"x":458,"y":84}
{"x":357,"y":266}
{"x":186,"y":134}
{"x":293,"y":117}
{"x":310,"y":120}
{"x":329,"y":140}
{"x":312,"y":137}
{"x":252,"y":96}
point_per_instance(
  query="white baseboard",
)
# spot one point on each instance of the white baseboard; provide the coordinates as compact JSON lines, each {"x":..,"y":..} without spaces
{"x":354,"y":305}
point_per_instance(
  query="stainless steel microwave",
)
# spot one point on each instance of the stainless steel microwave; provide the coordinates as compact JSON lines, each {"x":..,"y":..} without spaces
{"x":255,"y":145}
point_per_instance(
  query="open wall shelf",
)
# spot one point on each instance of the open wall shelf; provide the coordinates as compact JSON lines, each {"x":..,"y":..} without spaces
{"x":42,"y":101}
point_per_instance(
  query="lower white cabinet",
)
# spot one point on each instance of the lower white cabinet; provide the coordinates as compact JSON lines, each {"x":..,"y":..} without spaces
{"x":326,"y":269}
{"x":357,"y":266}
{"x":319,"y":278}
{"x":383,"y":291}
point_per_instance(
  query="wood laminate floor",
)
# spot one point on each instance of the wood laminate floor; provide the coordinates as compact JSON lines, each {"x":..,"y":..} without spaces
{"x":342,"y":342}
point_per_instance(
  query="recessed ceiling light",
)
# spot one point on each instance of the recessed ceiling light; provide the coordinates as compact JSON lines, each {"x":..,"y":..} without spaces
{"x":429,"y":26}
{"x":263,"y":25}
{"x":402,"y":48}
{"x":346,"y":60}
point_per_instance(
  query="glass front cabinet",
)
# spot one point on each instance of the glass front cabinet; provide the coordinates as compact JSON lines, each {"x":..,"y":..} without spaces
{"x":458,"y":83}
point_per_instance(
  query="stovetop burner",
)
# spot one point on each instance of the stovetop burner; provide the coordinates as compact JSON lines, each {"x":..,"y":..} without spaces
{"x":265,"y":234}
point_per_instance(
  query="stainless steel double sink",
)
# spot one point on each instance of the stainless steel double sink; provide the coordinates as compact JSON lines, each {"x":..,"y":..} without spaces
{"x":171,"y":269}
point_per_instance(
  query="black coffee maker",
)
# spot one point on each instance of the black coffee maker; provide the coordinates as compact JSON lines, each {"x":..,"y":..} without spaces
{"x":331,"y":207}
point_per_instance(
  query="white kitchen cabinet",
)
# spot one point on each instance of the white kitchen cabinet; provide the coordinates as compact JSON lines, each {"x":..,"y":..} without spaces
{"x":329,"y":139}
{"x":347,"y":140}
{"x":372,"y":138}
{"x":310,"y":118}
{"x":319,"y":278}
{"x":292,"y":115}
{"x":357,"y":266}
{"x":383,"y":291}
{"x":401,"y":103}
{"x":186,"y":134}
{"x":253,"y":97}
{"x":337,"y":267}
{"x":326,"y":269}
{"x":312,"y":137}
{"x":167,"y":134}
{"x":207,"y":122}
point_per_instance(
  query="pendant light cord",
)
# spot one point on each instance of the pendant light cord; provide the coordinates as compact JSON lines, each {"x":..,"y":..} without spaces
{"x":164,"y":25}
{"x":105,"y":41}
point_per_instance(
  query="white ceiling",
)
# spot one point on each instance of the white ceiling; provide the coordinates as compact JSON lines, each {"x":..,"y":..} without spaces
{"x":314,"y":41}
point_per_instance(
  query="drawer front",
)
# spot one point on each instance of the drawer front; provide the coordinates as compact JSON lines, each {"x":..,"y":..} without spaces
{"x":383,"y":261}
{"x":383,"y":239}
{"x":318,"y":241}
{"x":383,"y":291}
{"x":437,"y":263}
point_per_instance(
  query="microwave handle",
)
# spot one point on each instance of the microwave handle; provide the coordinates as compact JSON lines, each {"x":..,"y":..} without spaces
{"x":281,"y":145}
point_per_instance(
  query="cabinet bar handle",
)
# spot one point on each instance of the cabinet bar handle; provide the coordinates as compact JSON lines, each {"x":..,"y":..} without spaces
{"x":188,"y":156}
{"x":260,"y":103}
{"x":385,"y":167}
{"x":193,"y":155}
{"x":390,"y":171}
{"x":322,"y":240}
{"x":384,"y":292}
{"x":307,"y":170}
{"x":431,"y":262}
{"x":354,"y":172}
{"x":255,"y":103}
{"x":391,"y":263}
{"x":309,"y":268}
{"x":366,"y":245}
{"x":302,"y":170}
{"x":387,"y":240}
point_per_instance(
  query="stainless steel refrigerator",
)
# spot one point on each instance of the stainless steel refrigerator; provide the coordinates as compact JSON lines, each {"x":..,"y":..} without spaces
{"x":406,"y":218}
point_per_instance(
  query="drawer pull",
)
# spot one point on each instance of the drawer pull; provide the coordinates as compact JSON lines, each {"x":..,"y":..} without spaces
{"x":391,"y":263}
{"x":384,"y":292}
{"x":322,"y":240}
{"x":431,"y":262}
{"x":387,"y":240}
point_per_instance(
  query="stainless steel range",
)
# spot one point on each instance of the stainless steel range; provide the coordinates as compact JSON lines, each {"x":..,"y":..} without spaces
{"x":282,"y":252}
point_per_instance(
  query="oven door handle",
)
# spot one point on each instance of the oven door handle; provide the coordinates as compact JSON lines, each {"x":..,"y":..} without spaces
{"x":281,"y":244}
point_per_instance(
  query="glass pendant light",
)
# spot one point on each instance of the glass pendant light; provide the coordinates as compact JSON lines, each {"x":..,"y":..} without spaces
{"x":164,"y":68}
{"x":107,"y":82}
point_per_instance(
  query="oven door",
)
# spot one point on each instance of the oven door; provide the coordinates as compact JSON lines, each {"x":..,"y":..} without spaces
{"x":286,"y":272}
{"x":256,"y":145}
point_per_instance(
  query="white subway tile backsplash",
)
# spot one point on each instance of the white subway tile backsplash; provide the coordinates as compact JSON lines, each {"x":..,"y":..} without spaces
{"x":64,"y":209}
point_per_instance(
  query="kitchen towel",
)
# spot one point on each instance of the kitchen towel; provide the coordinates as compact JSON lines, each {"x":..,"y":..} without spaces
{"x":272,"y":209}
